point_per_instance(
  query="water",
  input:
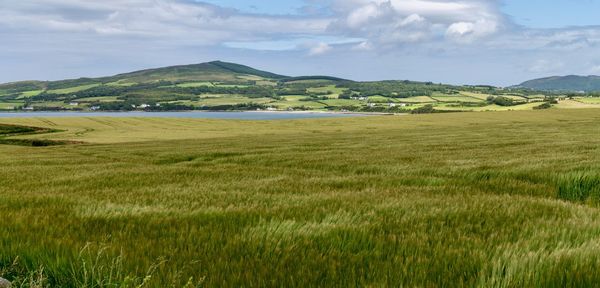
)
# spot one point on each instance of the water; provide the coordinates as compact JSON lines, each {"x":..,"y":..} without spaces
{"x":192,"y":114}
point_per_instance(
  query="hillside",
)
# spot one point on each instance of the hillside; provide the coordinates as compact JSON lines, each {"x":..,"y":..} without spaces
{"x":210,"y":71}
{"x":222,"y":86}
{"x":571,"y":83}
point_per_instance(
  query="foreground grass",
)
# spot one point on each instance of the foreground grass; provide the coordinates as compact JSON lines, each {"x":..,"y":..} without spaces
{"x":480,"y":199}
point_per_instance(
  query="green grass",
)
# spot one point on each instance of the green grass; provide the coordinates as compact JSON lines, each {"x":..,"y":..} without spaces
{"x":296,"y":104}
{"x":418,"y":99}
{"x":98,"y":99}
{"x":589,"y":100}
{"x":10,"y":105}
{"x":580,"y":187}
{"x":381,"y":99}
{"x":215,"y":100}
{"x":498,"y":199}
{"x":479,"y":96}
{"x":342,"y":102}
{"x":196,"y":84}
{"x":332,"y":89}
{"x":29,"y":94}
{"x":72,"y":89}
{"x":451,"y":98}
{"x":493,"y":107}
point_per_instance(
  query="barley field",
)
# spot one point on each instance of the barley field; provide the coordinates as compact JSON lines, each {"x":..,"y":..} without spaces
{"x":491,"y":199}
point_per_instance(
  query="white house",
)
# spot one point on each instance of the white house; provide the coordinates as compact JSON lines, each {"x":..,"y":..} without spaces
{"x":144,"y":106}
{"x":74,"y":104}
{"x":392,"y":105}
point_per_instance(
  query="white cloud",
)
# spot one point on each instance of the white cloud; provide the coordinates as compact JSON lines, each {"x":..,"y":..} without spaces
{"x":441,"y":33}
{"x":188,"y":22}
{"x":320,"y":49}
{"x":363,"y":46}
{"x":397,"y":22}
{"x":544,"y":66}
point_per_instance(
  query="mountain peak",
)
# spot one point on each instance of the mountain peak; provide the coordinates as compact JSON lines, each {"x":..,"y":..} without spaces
{"x":568,"y":83}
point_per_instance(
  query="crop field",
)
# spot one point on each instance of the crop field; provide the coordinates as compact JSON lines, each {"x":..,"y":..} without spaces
{"x":465,"y":99}
{"x":589,"y":100}
{"x":576,"y":104}
{"x":418,"y":99}
{"x":495,"y":199}
{"x":72,"y":89}
{"x":9,"y":105}
{"x":31,"y":93}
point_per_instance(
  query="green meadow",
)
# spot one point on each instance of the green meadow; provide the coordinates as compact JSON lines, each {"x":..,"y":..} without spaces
{"x":491,"y":199}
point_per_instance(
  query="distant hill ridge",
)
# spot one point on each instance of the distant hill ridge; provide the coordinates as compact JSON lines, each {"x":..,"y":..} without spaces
{"x":209,"y":71}
{"x":570,"y":83}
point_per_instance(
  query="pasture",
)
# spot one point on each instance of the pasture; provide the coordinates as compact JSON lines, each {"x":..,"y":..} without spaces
{"x":494,"y":199}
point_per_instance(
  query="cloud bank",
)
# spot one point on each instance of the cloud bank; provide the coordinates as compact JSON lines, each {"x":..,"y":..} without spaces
{"x":65,"y":37}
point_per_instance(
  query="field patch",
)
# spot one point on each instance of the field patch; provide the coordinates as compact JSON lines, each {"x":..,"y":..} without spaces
{"x":7,"y":132}
{"x":72,"y":89}
{"x":438,"y":200}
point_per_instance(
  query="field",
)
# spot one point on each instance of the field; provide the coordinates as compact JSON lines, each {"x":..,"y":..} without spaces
{"x":494,"y":199}
{"x":242,"y":88}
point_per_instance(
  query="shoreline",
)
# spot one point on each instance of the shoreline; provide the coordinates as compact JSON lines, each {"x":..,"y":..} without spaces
{"x":203,"y":111}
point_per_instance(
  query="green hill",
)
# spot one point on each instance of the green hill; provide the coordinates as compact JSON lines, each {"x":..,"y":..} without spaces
{"x":571,"y":83}
{"x":211,"y":71}
{"x":223,"y":86}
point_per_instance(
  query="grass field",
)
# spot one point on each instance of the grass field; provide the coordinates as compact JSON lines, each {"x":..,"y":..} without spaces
{"x":576,"y":104}
{"x":495,"y":199}
{"x":72,"y":89}
{"x":456,"y":99}
{"x":589,"y":100}
{"x":31,"y":93}
{"x":9,"y":105}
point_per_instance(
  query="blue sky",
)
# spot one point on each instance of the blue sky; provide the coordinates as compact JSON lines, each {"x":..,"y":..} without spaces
{"x":498,"y":42}
{"x":553,"y":13}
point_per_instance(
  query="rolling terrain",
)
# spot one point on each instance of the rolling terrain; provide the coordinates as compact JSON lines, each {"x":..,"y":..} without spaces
{"x":459,"y":199}
{"x":222,"y":86}
{"x":571,"y":83}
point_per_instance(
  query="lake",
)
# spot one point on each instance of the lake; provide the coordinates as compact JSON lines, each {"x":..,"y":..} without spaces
{"x":191,"y":114}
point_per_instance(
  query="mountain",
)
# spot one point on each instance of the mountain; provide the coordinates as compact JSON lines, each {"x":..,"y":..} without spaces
{"x":222,"y":86}
{"x":210,"y":71}
{"x":571,"y":83}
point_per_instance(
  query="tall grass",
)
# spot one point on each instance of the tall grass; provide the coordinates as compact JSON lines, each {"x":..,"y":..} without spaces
{"x":488,"y":200}
{"x":580,"y":187}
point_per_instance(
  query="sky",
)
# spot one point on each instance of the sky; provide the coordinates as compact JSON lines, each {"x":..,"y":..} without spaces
{"x":496,"y":42}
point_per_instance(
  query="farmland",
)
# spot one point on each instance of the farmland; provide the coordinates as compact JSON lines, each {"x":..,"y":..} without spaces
{"x":222,"y":86}
{"x":493,"y":199}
